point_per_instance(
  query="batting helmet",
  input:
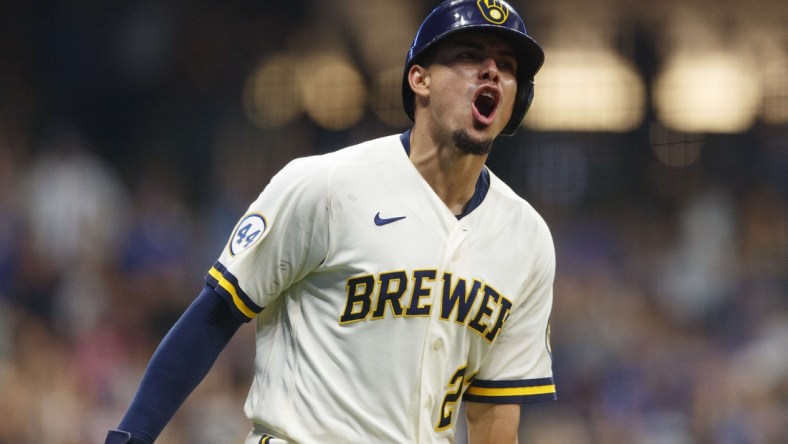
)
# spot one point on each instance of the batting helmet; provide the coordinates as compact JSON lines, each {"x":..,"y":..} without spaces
{"x":494,"y":16}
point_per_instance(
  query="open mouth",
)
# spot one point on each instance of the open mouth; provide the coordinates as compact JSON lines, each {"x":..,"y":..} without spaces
{"x":485,"y":105}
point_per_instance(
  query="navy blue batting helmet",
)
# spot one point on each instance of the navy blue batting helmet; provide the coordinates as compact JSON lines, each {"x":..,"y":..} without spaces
{"x":494,"y":16}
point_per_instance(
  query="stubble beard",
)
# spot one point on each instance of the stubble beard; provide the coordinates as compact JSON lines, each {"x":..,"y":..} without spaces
{"x":463,"y":141}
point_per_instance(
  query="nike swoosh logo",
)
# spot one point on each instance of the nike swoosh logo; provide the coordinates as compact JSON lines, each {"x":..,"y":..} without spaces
{"x":379,"y":221}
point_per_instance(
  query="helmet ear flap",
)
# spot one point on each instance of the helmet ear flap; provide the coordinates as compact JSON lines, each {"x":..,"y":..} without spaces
{"x":525,"y":96}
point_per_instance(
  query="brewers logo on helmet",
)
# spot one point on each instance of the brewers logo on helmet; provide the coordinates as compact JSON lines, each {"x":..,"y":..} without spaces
{"x":494,"y":11}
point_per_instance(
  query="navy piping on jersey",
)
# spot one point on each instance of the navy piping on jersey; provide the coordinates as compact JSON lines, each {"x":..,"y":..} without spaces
{"x":511,"y":391}
{"x":225,"y":284}
{"x":482,"y":184}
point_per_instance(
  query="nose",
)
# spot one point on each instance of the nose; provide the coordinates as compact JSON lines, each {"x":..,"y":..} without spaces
{"x":489,"y":70}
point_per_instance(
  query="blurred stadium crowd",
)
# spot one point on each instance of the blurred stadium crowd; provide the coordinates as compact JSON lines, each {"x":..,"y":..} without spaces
{"x":122,"y":175}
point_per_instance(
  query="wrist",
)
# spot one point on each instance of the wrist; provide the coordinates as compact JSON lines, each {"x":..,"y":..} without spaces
{"x":124,"y":437}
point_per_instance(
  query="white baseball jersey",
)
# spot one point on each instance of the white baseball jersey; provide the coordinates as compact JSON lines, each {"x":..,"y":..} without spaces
{"x":377,"y":310}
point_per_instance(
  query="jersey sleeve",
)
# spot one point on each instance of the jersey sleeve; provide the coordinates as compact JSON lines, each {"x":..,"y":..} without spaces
{"x":282,"y":236}
{"x":519,"y":367}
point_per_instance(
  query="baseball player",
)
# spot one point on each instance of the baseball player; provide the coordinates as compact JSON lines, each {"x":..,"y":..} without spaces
{"x":390,"y":280}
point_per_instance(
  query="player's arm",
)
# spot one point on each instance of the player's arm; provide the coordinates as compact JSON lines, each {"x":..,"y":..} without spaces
{"x":492,"y":423}
{"x":179,"y":364}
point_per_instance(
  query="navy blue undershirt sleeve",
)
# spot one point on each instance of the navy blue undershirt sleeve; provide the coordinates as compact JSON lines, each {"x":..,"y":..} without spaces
{"x":180,"y":363}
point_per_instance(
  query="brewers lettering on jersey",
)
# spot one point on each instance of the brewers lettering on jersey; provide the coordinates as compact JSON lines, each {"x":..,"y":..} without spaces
{"x":390,"y":280}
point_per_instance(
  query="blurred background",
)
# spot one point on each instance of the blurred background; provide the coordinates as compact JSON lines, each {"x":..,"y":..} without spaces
{"x":133,"y":135}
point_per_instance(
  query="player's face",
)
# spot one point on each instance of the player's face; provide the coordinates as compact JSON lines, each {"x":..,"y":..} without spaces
{"x":473,"y":85}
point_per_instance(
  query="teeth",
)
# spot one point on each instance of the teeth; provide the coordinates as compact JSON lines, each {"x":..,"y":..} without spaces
{"x":487,"y":94}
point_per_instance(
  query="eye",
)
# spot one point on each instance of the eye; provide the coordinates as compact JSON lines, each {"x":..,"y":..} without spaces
{"x":468,"y":55}
{"x":507,"y":65}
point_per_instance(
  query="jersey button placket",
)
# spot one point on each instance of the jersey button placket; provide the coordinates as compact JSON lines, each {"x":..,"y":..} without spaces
{"x":459,"y":234}
{"x":435,"y":356}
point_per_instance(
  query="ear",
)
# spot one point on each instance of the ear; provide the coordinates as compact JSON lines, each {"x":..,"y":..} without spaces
{"x":419,"y":80}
